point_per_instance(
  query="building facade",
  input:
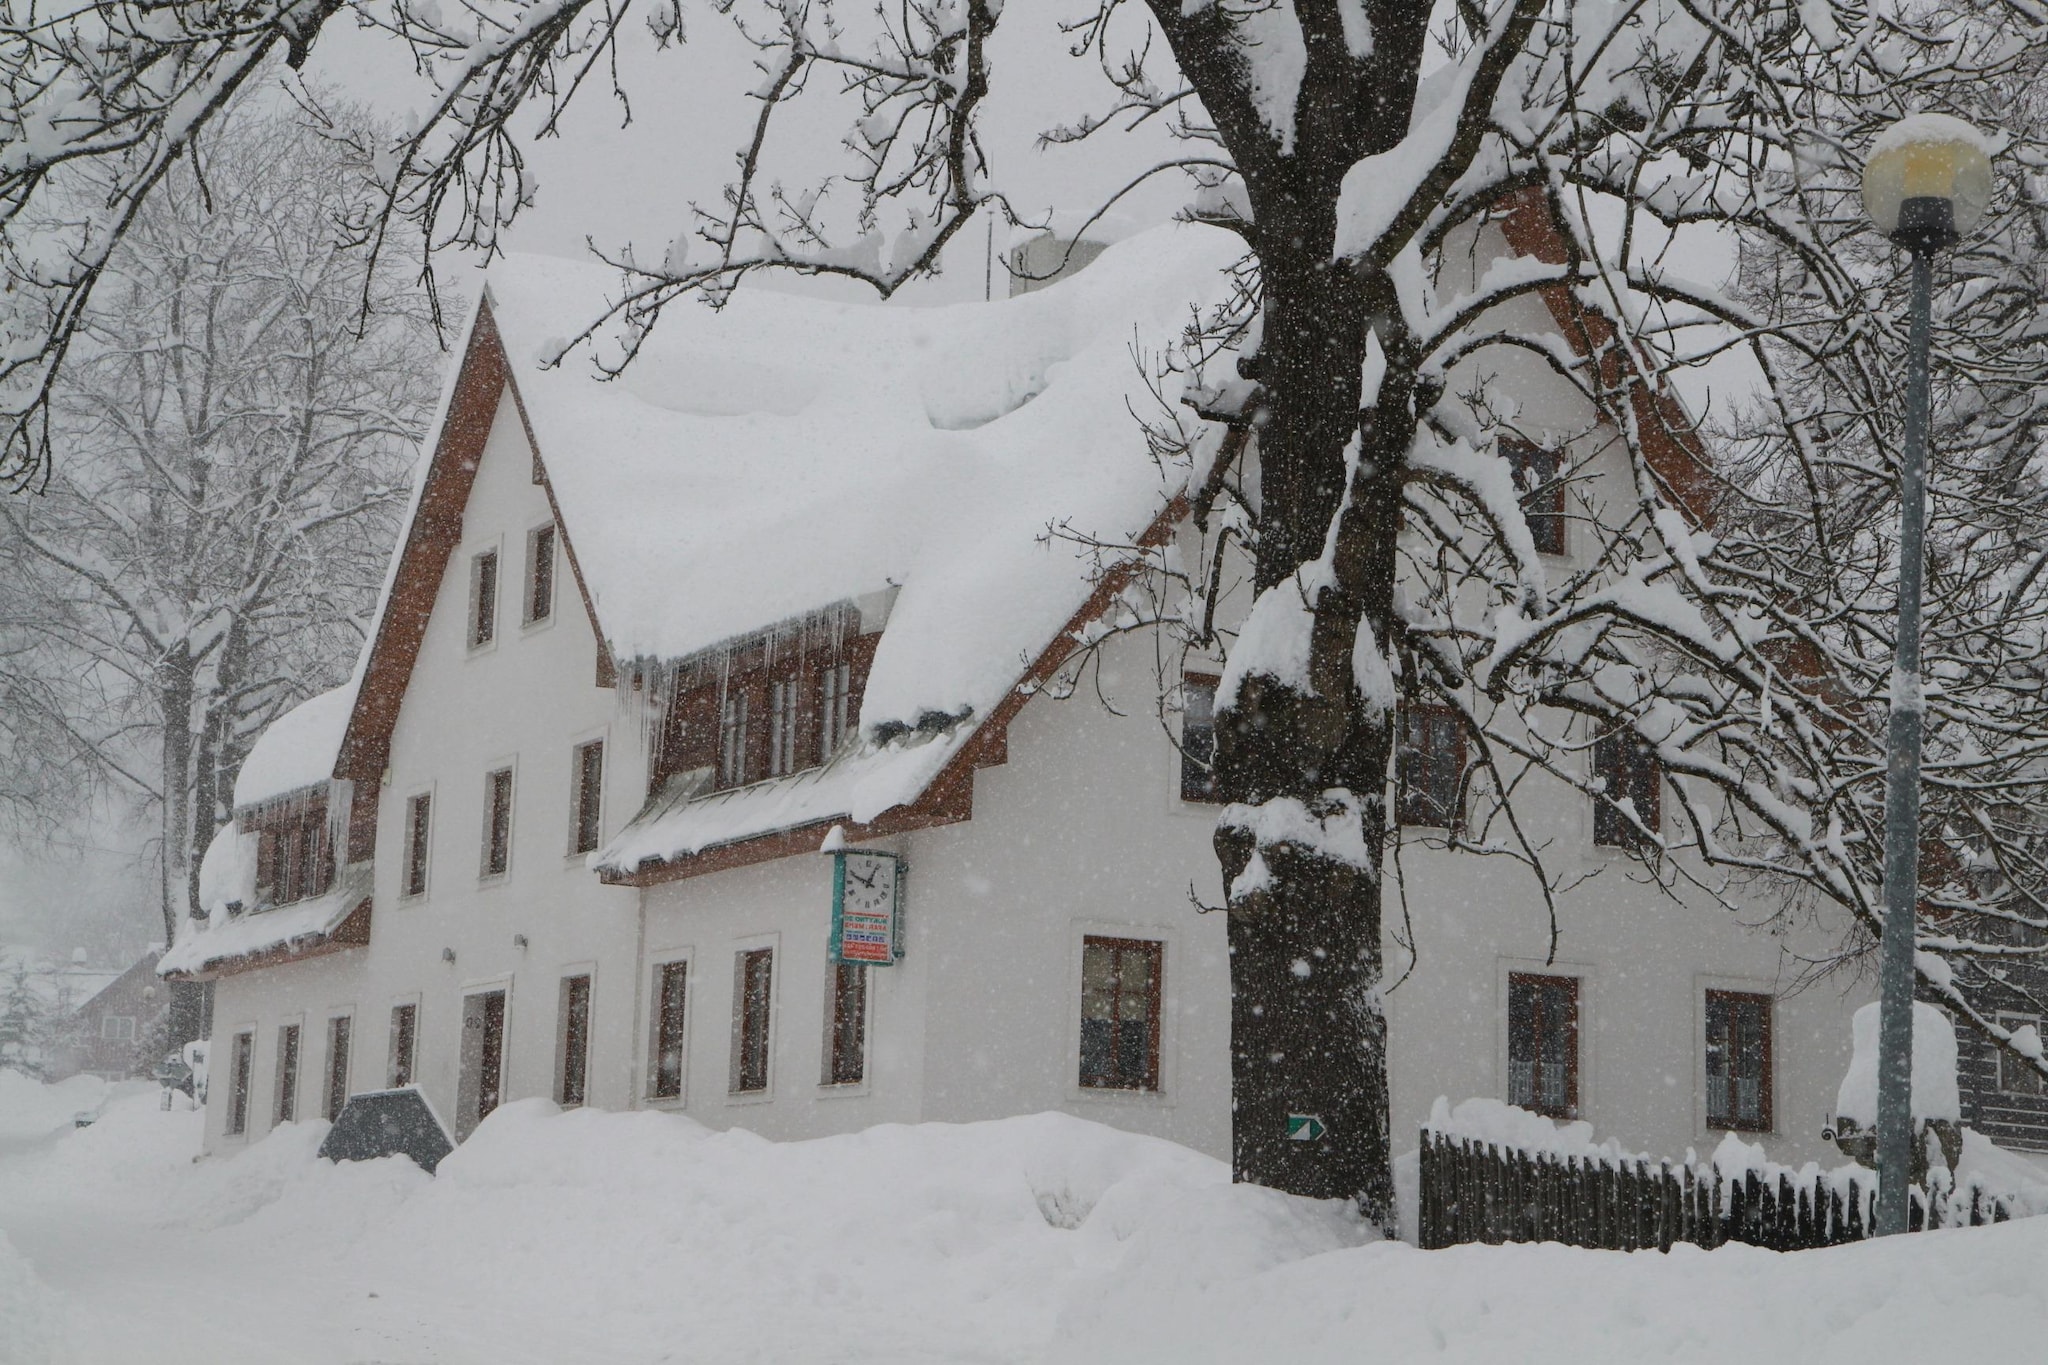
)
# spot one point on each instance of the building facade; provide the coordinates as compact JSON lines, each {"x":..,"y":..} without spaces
{"x":655,"y":655}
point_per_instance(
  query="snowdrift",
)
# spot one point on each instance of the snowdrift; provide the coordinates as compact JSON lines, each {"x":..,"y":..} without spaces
{"x":645,"y":1237}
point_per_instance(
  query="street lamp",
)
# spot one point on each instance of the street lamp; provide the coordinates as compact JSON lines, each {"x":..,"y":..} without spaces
{"x":1927,"y":181}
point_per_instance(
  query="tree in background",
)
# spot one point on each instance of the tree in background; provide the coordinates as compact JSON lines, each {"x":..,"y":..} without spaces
{"x":234,"y":446}
{"x":24,"y":1023}
{"x":1355,"y":146}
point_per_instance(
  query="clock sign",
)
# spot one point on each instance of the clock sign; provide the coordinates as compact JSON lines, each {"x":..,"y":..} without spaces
{"x":865,"y":892}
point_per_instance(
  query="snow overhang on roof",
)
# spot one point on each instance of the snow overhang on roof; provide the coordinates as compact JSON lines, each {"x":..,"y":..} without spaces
{"x":231,"y":941}
{"x":297,"y":750}
{"x":762,"y":461}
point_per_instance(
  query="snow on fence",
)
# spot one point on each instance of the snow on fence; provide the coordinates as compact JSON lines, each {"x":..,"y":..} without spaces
{"x":1479,"y":1183}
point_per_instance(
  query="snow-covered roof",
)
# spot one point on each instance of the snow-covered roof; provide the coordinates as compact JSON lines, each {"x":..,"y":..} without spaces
{"x":227,"y":876}
{"x":297,"y":749}
{"x":783,"y":454}
{"x":858,"y":786}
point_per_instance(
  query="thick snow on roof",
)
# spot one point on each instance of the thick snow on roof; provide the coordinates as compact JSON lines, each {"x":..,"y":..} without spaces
{"x":858,"y":785}
{"x":297,"y":749}
{"x":785,"y":454}
{"x":227,"y":873}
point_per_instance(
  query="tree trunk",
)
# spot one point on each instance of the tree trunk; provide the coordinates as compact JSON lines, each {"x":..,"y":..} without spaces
{"x":174,"y":700}
{"x":1308,"y":1036}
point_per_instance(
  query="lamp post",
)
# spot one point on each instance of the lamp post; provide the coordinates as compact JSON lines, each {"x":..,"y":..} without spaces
{"x":1927,"y":180}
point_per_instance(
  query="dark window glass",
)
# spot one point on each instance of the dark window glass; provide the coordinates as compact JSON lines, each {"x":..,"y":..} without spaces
{"x":1198,"y":739}
{"x":1536,"y":473}
{"x":755,"y":971}
{"x":589,"y":796}
{"x":1120,"y":993}
{"x":405,"y":1033}
{"x":1628,"y":767}
{"x":847,"y":1025}
{"x":1431,"y":764}
{"x":540,"y":579}
{"x":1738,"y":1061}
{"x":337,"y":1065}
{"x":671,"y":985}
{"x":782,"y":727}
{"x":483,"y":595}
{"x":732,"y":740}
{"x":498,"y":822}
{"x":575,"y":1040}
{"x":419,"y":817}
{"x":288,"y":1073}
{"x":238,"y":1082}
{"x":1543,"y":1044}
{"x":835,"y":690}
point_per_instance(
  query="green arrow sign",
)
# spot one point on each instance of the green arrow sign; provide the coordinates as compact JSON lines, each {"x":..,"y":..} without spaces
{"x":1305,"y":1128}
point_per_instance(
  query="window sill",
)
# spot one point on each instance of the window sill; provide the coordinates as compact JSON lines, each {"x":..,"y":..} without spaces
{"x":669,"y":1103}
{"x":844,"y":1090}
{"x":750,"y":1097}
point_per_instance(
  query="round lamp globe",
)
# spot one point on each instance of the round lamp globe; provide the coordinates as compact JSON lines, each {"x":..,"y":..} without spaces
{"x":1927,"y":180}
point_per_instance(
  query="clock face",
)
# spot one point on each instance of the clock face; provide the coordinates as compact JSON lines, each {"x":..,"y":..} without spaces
{"x":870,"y":883}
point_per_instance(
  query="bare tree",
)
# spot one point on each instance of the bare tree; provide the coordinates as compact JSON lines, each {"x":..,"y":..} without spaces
{"x":234,"y":457}
{"x":1355,"y":145}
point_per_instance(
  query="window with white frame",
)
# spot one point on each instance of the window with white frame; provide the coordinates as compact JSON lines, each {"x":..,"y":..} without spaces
{"x":540,"y":575}
{"x":483,"y":599}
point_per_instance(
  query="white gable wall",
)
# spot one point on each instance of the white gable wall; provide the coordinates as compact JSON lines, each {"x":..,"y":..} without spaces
{"x":526,"y":700}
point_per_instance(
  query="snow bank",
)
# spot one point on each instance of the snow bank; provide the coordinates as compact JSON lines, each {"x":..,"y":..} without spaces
{"x":1935,"y":1095}
{"x":297,"y":749}
{"x":645,"y":1237}
{"x":31,"y":1111}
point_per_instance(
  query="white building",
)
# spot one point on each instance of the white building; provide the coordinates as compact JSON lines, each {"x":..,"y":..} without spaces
{"x":648,"y":643}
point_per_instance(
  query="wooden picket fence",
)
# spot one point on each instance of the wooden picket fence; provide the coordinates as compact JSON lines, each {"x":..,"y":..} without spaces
{"x":1476,"y":1191}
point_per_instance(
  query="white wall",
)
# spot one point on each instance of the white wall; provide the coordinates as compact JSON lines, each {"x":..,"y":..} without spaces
{"x":526,"y":700}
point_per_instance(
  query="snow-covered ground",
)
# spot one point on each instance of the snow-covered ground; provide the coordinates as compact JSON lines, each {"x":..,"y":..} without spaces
{"x":588,"y":1236}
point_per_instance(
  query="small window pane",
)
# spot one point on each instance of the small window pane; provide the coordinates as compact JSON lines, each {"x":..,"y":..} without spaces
{"x":1543,"y":1044}
{"x":575,"y":1040}
{"x":753,"y":980}
{"x":587,"y":799}
{"x":483,"y":599}
{"x":1537,"y":478}
{"x":1628,"y":768}
{"x":405,"y":1021}
{"x":671,"y":983}
{"x":239,"y":1081}
{"x":1430,"y":766}
{"x":419,"y":814}
{"x":337,"y":1065}
{"x":1738,"y":1061}
{"x":1198,"y":740}
{"x":288,"y":1073}
{"x":846,"y":1024}
{"x":498,"y":822}
{"x":540,"y":578}
{"x":1120,"y":994}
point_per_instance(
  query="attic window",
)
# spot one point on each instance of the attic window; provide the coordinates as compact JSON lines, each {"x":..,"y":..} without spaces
{"x":1537,"y":479}
{"x":540,"y":574}
{"x":483,"y":599}
{"x":294,"y":857}
{"x":771,"y":708}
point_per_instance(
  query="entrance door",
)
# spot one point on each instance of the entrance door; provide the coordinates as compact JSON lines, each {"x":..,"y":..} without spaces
{"x":483,"y":1060}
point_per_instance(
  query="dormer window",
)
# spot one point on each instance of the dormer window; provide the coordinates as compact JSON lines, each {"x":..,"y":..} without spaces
{"x":771,"y":707}
{"x":294,"y":857}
